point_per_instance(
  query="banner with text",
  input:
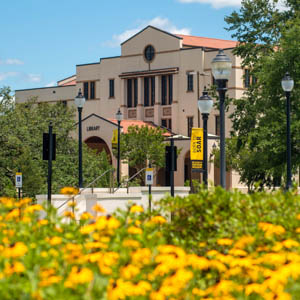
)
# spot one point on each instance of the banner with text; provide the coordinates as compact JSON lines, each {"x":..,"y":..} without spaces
{"x":114,"y":140}
{"x":196,"y":149}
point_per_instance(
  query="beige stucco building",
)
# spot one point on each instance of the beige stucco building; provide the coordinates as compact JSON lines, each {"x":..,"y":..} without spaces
{"x":157,"y":78}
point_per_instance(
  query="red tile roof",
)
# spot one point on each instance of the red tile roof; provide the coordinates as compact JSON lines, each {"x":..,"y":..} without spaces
{"x":126,"y":123}
{"x":189,"y":40}
{"x":73,"y":82}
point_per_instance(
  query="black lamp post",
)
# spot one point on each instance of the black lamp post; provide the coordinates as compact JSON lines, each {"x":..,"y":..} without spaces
{"x":119,"y":118}
{"x":221,"y":69}
{"x":287,"y":84}
{"x":205,"y":104}
{"x":79,"y":102}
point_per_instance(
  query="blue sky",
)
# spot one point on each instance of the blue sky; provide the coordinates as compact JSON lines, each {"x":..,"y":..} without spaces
{"x":43,"y":40}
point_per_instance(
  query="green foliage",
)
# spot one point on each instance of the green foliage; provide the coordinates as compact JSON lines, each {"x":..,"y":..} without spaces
{"x":269,"y":47}
{"x":215,"y":213}
{"x":21,"y":138}
{"x":142,"y":145}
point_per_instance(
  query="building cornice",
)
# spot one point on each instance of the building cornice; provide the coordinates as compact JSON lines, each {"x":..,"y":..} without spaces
{"x":144,"y":73}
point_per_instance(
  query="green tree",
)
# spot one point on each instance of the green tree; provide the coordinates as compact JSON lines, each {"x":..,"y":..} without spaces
{"x":21,"y":138}
{"x":269,"y":47}
{"x":141,"y":145}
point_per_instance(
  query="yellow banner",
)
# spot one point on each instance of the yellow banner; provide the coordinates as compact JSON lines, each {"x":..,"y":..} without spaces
{"x":114,"y":140}
{"x":197,"y":144}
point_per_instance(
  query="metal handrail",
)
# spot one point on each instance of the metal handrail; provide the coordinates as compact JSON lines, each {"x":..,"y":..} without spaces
{"x":128,"y":180}
{"x":80,"y":191}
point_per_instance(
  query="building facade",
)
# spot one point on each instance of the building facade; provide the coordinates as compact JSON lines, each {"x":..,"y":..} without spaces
{"x":156,"y":80}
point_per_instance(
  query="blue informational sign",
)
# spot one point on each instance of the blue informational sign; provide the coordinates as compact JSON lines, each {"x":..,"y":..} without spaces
{"x":149,"y":176}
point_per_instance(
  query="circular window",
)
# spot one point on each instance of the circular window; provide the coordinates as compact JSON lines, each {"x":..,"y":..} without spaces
{"x":149,"y":53}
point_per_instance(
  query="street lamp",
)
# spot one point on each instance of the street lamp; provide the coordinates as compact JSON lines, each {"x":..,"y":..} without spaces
{"x":79,"y":102}
{"x":221,"y":69}
{"x":119,"y":118}
{"x":287,"y":84}
{"x":205,"y":104}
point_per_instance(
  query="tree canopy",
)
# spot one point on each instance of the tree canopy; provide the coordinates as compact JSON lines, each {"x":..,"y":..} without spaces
{"x":269,"y":47}
{"x":142,"y":145}
{"x":21,"y":138}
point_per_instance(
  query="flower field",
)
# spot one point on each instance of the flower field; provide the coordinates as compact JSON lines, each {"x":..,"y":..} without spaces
{"x":136,"y":254}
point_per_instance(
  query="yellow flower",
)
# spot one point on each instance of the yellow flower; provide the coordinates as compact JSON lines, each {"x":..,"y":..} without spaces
{"x":43,"y":222}
{"x":157,"y":296}
{"x":50,"y":280}
{"x":134,"y":230}
{"x":86,"y":216}
{"x":298,"y":230}
{"x":224,"y":242}
{"x":298,"y":217}
{"x":136,"y":208}
{"x":290,"y":243}
{"x":271,"y":229}
{"x":15,"y":213}
{"x":94,"y":245}
{"x":56,"y":240}
{"x":32,"y":208}
{"x":244,"y":241}
{"x":202,"y":244}
{"x":78,"y":276}
{"x":237,"y":252}
{"x":98,"y":208}
{"x":69,"y":214}
{"x":129,"y":272}
{"x":72,"y":203}
{"x":16,"y":267}
{"x":158,"y":220}
{"x":87,"y":229}
{"x":113,"y":223}
{"x":18,"y":250}
{"x":131,"y":243}
{"x":141,"y":256}
{"x":69,"y":191}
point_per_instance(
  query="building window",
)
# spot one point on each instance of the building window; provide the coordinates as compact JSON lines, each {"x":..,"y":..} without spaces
{"x":190,"y":124}
{"x":86,"y":90}
{"x":135,"y":92}
{"x":132,"y":92}
{"x":149,"y":91}
{"x":247,"y":78}
{"x":146,"y":91}
{"x":190,"y":82}
{"x":89,"y":91}
{"x":152,"y":90}
{"x":166,"y":89}
{"x":92,"y":90}
{"x":166,"y":123}
{"x":217,"y":125}
{"x":111,"y":88}
{"x":149,"y":53}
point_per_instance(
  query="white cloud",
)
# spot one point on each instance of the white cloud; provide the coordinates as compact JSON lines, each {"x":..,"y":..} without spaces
{"x":33,"y":77}
{"x":52,"y":83}
{"x":161,"y":23}
{"x":11,"y":61}
{"x":29,"y":77}
{"x":215,"y":3}
{"x":5,"y":75}
{"x":231,"y":3}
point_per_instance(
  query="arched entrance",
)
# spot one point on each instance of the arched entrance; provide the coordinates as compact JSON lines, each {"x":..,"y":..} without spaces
{"x":97,"y":143}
